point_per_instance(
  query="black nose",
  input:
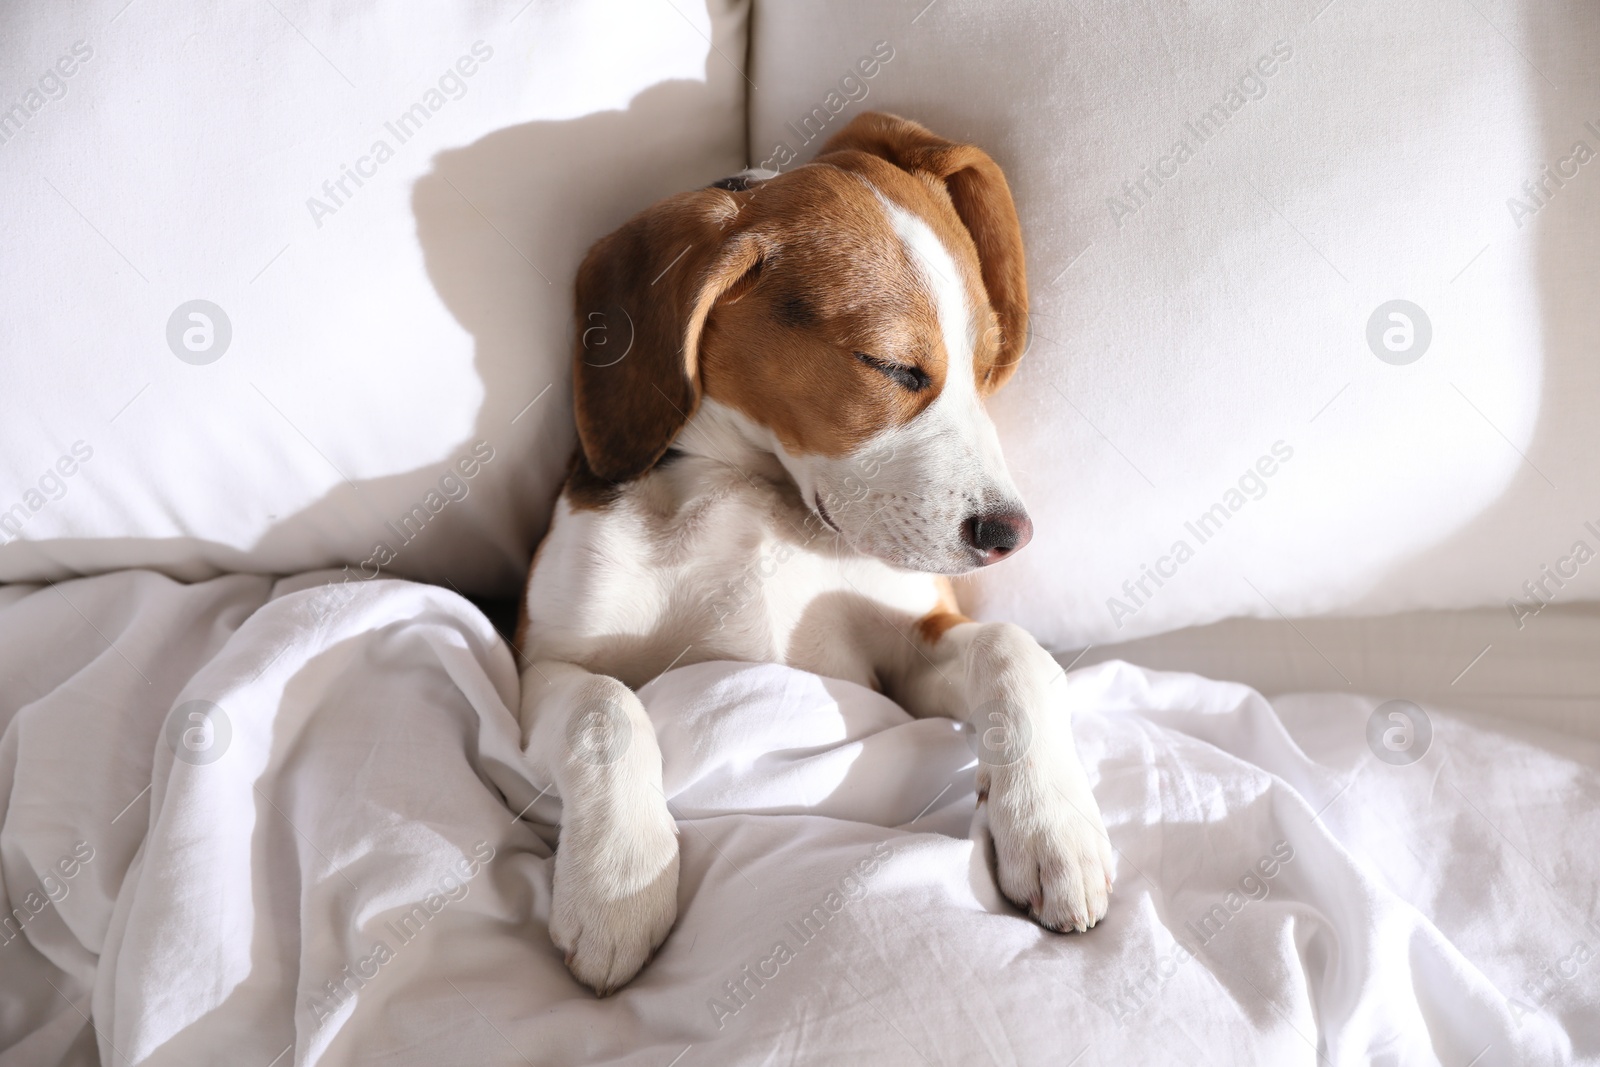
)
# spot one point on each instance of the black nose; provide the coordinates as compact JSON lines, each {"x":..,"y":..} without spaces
{"x":997,"y":534}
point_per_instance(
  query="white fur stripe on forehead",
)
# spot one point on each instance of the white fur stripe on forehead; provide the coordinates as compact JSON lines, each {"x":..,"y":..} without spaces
{"x":943,"y":279}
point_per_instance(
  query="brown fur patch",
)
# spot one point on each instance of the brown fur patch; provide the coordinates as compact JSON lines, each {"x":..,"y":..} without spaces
{"x":799,"y":375}
{"x":981,"y":200}
{"x":793,"y":310}
{"x":643,"y":294}
{"x":584,"y":489}
{"x":936,"y":624}
{"x":762,"y":296}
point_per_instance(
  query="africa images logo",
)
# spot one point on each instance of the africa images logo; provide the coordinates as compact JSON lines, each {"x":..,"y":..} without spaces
{"x":742,"y":989}
{"x":50,"y":86}
{"x":451,"y":85}
{"x":404,"y":926}
{"x":1139,"y":191}
{"x":1252,"y":485}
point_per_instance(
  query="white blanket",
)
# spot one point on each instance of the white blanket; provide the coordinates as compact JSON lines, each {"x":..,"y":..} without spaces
{"x":338,"y":872}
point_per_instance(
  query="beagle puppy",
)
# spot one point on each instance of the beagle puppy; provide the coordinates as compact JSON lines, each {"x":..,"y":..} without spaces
{"x":779,"y":386}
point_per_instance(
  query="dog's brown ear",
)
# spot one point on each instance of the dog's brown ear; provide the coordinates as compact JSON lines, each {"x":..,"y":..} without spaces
{"x":643,"y":295}
{"x":982,"y":199}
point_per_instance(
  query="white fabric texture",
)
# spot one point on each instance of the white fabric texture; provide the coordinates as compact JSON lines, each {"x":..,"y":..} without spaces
{"x":1363,"y":153}
{"x":1546,"y":675}
{"x":367,"y":788}
{"x":380,"y":331}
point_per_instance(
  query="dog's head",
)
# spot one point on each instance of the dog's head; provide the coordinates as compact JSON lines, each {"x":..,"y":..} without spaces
{"x":848,"y":316}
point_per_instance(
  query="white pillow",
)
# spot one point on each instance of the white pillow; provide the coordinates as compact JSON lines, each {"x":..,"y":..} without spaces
{"x":387,"y":206}
{"x":1201,"y":328}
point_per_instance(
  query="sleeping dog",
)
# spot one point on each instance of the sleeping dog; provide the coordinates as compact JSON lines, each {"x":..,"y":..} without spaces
{"x":779,"y":386}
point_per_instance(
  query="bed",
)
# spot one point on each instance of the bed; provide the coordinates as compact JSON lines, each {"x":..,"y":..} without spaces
{"x":267,"y":822}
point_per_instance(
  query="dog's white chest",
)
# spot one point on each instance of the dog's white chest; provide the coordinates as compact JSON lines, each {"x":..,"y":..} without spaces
{"x":733,"y":572}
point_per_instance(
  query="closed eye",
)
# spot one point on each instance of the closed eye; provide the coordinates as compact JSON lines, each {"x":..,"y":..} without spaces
{"x":911,"y":378}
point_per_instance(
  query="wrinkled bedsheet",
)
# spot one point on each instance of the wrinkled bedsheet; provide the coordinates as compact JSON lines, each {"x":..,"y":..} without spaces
{"x":262,"y":824}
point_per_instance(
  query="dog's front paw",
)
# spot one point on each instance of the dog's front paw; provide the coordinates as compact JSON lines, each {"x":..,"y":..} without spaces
{"x":615,"y":896}
{"x":1051,"y":849}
